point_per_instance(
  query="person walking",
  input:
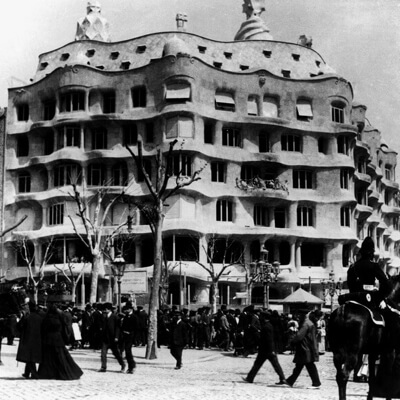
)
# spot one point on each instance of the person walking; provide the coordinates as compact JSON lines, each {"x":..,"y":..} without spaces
{"x":179,"y":338}
{"x":109,"y":337}
{"x":57,"y":362}
{"x":30,"y":342}
{"x":129,"y":328}
{"x":306,"y":351}
{"x":266,"y":351}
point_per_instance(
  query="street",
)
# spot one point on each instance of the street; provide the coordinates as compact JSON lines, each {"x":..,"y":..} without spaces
{"x":206,"y":374}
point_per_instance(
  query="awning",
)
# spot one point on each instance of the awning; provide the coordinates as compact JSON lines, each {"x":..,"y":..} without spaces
{"x":178,"y":91}
{"x":224,"y":98}
{"x":304,"y":110}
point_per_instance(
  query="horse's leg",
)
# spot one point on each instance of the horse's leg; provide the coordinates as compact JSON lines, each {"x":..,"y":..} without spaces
{"x":344,"y":365}
{"x":371,"y":374}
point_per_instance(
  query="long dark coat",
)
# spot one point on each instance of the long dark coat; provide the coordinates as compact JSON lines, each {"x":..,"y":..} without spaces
{"x":30,"y":343}
{"x":306,"y":346}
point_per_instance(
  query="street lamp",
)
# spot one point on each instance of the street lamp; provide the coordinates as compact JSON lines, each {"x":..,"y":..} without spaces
{"x":263,"y":271}
{"x":118,"y":269}
{"x":332,"y":286}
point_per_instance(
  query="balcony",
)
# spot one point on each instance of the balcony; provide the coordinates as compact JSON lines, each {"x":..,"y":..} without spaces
{"x":390,"y":209}
{"x":362,"y":146}
{"x":362,"y":211}
{"x":362,"y":178}
{"x":259,"y":185}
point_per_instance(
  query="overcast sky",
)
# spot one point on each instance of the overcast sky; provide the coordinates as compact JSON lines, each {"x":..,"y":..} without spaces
{"x":360,"y":39}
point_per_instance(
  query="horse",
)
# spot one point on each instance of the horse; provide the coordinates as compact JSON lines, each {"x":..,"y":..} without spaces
{"x":353,"y":333}
{"x":11,"y":303}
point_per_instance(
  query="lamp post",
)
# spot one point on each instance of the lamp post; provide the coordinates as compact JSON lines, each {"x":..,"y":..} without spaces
{"x":332,"y":286}
{"x":263,"y":271}
{"x":118,"y":270}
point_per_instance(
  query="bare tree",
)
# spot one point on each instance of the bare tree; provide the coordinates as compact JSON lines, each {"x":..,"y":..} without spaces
{"x":94,"y":237}
{"x":154,"y":212}
{"x":229,"y":256}
{"x":72,"y":278}
{"x":28,"y":255}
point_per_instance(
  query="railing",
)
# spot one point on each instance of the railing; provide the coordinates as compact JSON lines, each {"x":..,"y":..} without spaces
{"x":257,"y":183}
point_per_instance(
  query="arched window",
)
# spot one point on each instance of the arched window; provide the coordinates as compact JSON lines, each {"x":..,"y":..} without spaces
{"x":338,"y":112}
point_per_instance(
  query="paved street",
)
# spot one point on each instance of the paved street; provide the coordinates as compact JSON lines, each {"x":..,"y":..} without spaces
{"x":206,"y":374}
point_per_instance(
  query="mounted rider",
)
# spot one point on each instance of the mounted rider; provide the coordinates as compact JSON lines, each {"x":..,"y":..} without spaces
{"x":362,"y":275}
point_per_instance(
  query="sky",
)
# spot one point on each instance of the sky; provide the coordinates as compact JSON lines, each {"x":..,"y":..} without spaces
{"x":360,"y":39}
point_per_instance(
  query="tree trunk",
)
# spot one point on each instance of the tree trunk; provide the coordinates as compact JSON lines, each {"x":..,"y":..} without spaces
{"x":95,"y":278}
{"x":213,"y":295}
{"x":36,"y":293}
{"x":73,"y":293}
{"x":151,"y":350}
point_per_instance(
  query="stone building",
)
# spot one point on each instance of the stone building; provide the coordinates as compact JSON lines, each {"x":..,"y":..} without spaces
{"x":289,"y":163}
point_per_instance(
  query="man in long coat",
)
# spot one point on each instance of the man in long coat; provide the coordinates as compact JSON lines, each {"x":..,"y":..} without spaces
{"x":30,"y":343}
{"x":179,"y":338}
{"x":306,"y":351}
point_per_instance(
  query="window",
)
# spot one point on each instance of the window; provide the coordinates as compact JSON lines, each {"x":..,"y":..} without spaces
{"x":267,"y":53}
{"x":345,"y":213}
{"x":96,"y":175}
{"x":49,"y":110}
{"x":361,"y":196}
{"x":218,"y":172}
{"x":68,"y":136}
{"x":248,"y":172}
{"x":305,"y":216}
{"x":181,"y":164}
{"x":280,"y":217}
{"x":114,"y":55}
{"x":344,"y":179}
{"x":178,"y":92}
{"x":72,"y":101}
{"x":296,"y":57}
{"x":312,"y":254}
{"x":130,"y":134}
{"x":139,"y":96}
{"x":304,"y":110}
{"x":217,"y":64}
{"x":252,"y":108}
{"x":224,"y":101}
{"x":270,"y":107}
{"x":179,"y":127}
{"x":24,"y":182}
{"x":323,"y":145}
{"x":48,"y":143}
{"x":228,"y":55}
{"x":285,"y":73}
{"x":224,"y":210}
{"x":56,"y":214}
{"x":388,"y":172}
{"x":362,"y":165}
{"x":291,"y":143}
{"x":202,"y":49}
{"x":231,"y":137}
{"x":337,"y":112}
{"x":263,"y":142}
{"x":147,"y":168}
{"x":260,"y":216}
{"x":141,"y":49}
{"x":22,"y":146}
{"x":343,"y":143}
{"x":119,"y":174}
{"x":125,"y":65}
{"x":302,"y":179}
{"x":208,"y":133}
{"x":109,"y":102}
{"x":149,"y":132}
{"x":66,"y":174}
{"x":90,"y":52}
{"x":64,"y":57}
{"x":23,"y":112}
{"x":99,"y":139}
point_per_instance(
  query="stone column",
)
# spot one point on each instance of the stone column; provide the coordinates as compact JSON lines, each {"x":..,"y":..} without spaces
{"x":298,"y":256}
{"x":292,"y":216}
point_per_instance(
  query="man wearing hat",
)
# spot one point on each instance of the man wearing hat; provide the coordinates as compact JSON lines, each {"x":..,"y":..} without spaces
{"x":109,"y":337}
{"x":361,"y":276}
{"x":179,"y":338}
{"x":266,"y":351}
{"x":129,"y":328}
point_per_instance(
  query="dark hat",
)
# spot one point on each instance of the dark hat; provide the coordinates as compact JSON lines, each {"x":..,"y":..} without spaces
{"x":367,"y":246}
{"x":128,"y":305}
{"x":107,"y":306}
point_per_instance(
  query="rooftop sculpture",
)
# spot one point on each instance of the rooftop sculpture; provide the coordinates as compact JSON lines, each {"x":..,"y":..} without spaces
{"x":94,"y":26}
{"x":254,"y":27}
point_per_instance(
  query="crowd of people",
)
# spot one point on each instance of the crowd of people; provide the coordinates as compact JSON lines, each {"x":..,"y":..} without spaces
{"x":60,"y":328}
